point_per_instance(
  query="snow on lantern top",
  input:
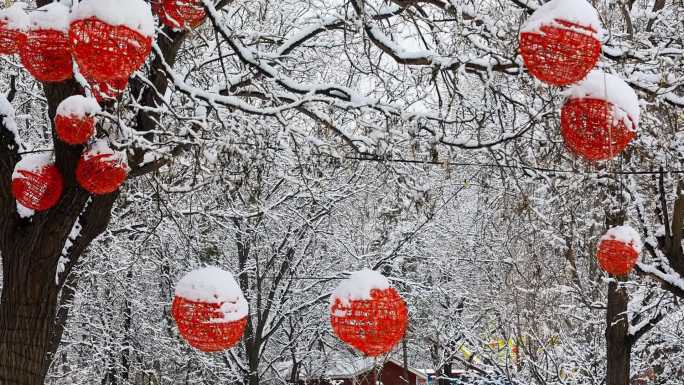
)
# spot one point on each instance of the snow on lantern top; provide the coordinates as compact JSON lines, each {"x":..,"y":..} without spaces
{"x":577,"y":12}
{"x":134,"y":14}
{"x":54,"y":16}
{"x":625,"y":234}
{"x":214,"y":285}
{"x":78,"y":106}
{"x":359,"y":286}
{"x":101,"y":147}
{"x":15,"y":17}
{"x":603,"y":86}
{"x":33,"y":162}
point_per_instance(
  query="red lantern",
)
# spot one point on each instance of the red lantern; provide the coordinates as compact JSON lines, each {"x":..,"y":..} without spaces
{"x":75,"y":120}
{"x":180,"y":14}
{"x":374,"y":324}
{"x":559,"y":42}
{"x":619,"y":250}
{"x":44,"y":49}
{"x":210,"y":310}
{"x":592,"y":124}
{"x":13,"y":22}
{"x":111,"y":89}
{"x":37,"y":184}
{"x":101,"y":170}
{"x":111,"y":40}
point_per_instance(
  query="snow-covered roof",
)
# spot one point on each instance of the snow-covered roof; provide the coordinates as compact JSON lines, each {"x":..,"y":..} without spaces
{"x":340,"y":367}
{"x":134,"y":14}
{"x":578,"y":12}
{"x":358,"y":286}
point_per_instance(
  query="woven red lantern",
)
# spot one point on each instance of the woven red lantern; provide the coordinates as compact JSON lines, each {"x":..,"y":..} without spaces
{"x":600,"y":117}
{"x":111,"y":89}
{"x":111,"y":39}
{"x":180,"y":14}
{"x":36,"y":182}
{"x":75,"y":119}
{"x":368,"y":314}
{"x":618,"y":250}
{"x":44,"y":49}
{"x":210,"y":309}
{"x":13,"y":23}
{"x":101,"y":170}
{"x":560,"y":42}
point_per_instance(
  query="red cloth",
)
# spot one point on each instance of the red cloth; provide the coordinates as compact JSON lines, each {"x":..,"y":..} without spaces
{"x":9,"y":39}
{"x":100,"y":174}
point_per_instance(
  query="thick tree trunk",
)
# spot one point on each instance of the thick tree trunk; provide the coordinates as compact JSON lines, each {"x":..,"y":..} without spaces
{"x":27,"y":319}
{"x":619,"y":344}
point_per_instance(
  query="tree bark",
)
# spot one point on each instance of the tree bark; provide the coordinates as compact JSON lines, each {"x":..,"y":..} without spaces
{"x":618,"y":342}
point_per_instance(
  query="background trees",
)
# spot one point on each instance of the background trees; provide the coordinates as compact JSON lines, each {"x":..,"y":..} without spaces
{"x":292,"y":141}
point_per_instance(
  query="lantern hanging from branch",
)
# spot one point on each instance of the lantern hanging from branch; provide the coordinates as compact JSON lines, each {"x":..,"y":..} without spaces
{"x":111,"y":39}
{"x":109,"y":90}
{"x":368,"y":314}
{"x":36,"y":182}
{"x":44,"y":48}
{"x":101,"y":170}
{"x":13,"y":24}
{"x":180,"y":14}
{"x":560,"y":42}
{"x":210,"y":309}
{"x":618,"y":250}
{"x":75,"y":119}
{"x":600,"y":117}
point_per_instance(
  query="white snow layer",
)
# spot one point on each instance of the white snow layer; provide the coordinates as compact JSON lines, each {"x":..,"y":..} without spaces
{"x":625,"y":234}
{"x":15,"y":17}
{"x":579,"y":12}
{"x":8,"y":118}
{"x":214,"y":285}
{"x":52,"y":16}
{"x":101,"y":147}
{"x":134,"y":14}
{"x":32,"y":162}
{"x":358,"y":286}
{"x":78,"y":106}
{"x":24,"y":212}
{"x":600,"y":85}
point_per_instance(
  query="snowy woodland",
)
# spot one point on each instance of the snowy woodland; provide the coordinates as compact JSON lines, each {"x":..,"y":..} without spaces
{"x":293,"y":142}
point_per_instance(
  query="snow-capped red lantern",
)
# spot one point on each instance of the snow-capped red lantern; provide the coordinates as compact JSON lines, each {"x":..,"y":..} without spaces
{"x":44,"y":48}
{"x":101,"y":170}
{"x":36,"y":182}
{"x":75,"y":119}
{"x":111,"y":89}
{"x":210,"y":309}
{"x":111,"y":39}
{"x":13,"y":23}
{"x":180,"y":14}
{"x":560,"y":42}
{"x":600,"y":116}
{"x":618,"y":250}
{"x":368,"y":314}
